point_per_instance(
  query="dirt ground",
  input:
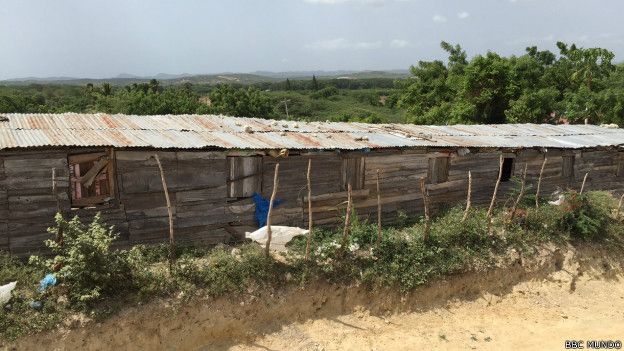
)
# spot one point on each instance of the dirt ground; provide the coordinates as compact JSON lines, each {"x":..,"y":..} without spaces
{"x":535,"y":303}
{"x":536,"y":315}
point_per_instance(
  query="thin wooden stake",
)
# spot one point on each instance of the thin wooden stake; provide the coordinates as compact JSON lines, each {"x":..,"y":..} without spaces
{"x":345,"y":232}
{"x":307,"y":252}
{"x":59,"y":232}
{"x":267,"y":251}
{"x":583,"y":185}
{"x":468,"y":197}
{"x":520,"y":195}
{"x":426,"y":203}
{"x":491,"y":209}
{"x":617,"y":214}
{"x":539,"y":182}
{"x":169,"y":212}
{"x":378,"y":211}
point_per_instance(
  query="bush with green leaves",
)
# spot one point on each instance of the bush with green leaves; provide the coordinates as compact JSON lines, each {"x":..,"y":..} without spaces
{"x":587,"y":215}
{"x":84,"y":261}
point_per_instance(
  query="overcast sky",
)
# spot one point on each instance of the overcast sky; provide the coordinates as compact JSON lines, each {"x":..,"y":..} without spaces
{"x":97,"y":39}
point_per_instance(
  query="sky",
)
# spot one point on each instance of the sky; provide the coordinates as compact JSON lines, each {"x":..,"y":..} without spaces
{"x":100,"y":39}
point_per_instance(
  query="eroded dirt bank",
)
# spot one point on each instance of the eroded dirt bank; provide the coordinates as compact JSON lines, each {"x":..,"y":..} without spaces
{"x":562,"y":293}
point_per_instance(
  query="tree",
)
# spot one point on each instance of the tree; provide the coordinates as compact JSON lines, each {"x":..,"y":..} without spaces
{"x":315,"y":85}
{"x":249,"y":102}
{"x":538,"y":87}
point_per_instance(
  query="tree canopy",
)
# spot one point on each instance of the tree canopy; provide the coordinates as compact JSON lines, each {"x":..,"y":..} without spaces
{"x":537,"y":87}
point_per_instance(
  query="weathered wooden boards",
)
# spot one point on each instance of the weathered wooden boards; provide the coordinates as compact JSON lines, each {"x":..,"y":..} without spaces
{"x":205,"y":212}
{"x":4,"y":209}
{"x":30,"y":203}
{"x":197,"y":187}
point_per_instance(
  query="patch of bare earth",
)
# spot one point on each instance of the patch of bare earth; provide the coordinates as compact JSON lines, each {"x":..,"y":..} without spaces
{"x":534,"y":303}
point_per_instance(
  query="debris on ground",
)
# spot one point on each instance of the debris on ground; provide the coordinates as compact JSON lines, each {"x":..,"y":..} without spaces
{"x":281,"y":235}
{"x":5,"y":292}
{"x":47,"y":281}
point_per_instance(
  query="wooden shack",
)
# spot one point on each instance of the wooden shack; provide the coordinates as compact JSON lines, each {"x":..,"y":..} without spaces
{"x":82,"y":164}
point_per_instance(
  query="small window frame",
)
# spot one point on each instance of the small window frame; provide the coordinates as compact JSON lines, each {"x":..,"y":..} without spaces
{"x":105,"y":162}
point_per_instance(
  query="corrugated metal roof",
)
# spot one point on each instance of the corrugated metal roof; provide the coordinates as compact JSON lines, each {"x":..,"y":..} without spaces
{"x":205,"y":131}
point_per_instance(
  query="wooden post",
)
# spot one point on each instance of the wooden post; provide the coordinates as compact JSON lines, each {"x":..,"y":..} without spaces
{"x":307,"y":252}
{"x":521,"y":194}
{"x":345,"y":232}
{"x":54,"y":191}
{"x":426,"y":203}
{"x":539,"y":182}
{"x":491,"y":209}
{"x":468,"y":197}
{"x":378,"y":211}
{"x":169,"y":212}
{"x":267,"y":251}
{"x":617,"y":214}
{"x":583,"y":185}
{"x":59,"y":232}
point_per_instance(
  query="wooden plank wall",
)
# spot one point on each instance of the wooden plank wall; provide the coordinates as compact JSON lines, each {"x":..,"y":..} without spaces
{"x":203,"y":214}
{"x":197,"y":188}
{"x":31,"y":204}
{"x":4,"y":209}
{"x":400,"y":172}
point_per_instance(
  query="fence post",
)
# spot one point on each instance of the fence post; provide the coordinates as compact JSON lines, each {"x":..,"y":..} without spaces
{"x":583,"y":185}
{"x":267,"y":251}
{"x":617,"y":214}
{"x":491,"y":209}
{"x":425,"y":196}
{"x":308,"y":241}
{"x":539,"y":182}
{"x":521,"y":194}
{"x":345,"y":233}
{"x":468,"y":198}
{"x":169,"y":212}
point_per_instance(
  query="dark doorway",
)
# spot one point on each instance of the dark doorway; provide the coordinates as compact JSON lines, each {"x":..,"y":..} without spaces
{"x":507,"y":169}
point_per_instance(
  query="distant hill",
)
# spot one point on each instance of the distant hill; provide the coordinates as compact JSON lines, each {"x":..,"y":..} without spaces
{"x":210,"y":79}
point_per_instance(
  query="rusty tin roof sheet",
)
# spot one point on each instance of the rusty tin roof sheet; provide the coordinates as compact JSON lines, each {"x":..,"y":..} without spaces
{"x":211,"y":131}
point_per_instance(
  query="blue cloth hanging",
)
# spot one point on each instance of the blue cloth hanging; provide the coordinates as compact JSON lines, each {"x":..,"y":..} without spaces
{"x":262,"y":208}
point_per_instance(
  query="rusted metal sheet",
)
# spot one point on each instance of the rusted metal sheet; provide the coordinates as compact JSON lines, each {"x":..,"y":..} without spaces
{"x":212,"y":131}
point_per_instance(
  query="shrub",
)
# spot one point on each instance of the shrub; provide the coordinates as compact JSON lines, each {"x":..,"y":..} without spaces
{"x":587,"y":215}
{"x":228,"y":271}
{"x":325,"y":93}
{"x":85,"y":263}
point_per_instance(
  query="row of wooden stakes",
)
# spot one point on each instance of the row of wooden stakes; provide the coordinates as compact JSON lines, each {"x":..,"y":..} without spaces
{"x":345,"y":235}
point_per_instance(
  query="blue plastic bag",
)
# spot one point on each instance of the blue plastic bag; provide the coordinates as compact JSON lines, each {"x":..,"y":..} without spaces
{"x":262,"y":208}
{"x":47,"y":281}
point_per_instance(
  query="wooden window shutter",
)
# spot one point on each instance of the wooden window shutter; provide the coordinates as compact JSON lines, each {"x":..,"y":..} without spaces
{"x":244,"y":176}
{"x":353,"y":169}
{"x":567,"y":167}
{"x":438,"y":170}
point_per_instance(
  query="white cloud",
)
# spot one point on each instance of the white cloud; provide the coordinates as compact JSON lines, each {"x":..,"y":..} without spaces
{"x":399,"y":43}
{"x":342,"y":44}
{"x":439,"y":18}
{"x":463,"y":15}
